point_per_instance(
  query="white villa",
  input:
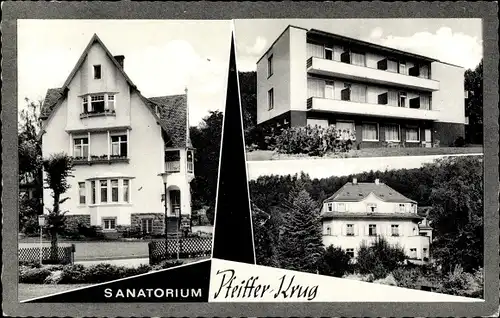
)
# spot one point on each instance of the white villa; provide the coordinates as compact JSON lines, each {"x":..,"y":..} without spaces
{"x":121,"y":142}
{"x":363,"y":211}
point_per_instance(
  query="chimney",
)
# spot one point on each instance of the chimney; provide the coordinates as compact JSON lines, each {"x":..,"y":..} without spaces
{"x":377,"y":181}
{"x":120,"y":59}
{"x":354,"y":181}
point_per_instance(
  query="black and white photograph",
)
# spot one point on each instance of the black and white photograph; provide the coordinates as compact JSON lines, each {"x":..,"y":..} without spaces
{"x":119,"y":140}
{"x":352,"y":88}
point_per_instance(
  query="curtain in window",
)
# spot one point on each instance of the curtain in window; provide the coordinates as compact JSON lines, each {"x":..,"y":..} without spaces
{"x":412,"y":134}
{"x":424,"y":71}
{"x":392,"y":98}
{"x":392,"y":133}
{"x":392,"y":66}
{"x":357,"y":59}
{"x":370,"y":132}
{"x":358,"y":93}
{"x":315,"y":50}
{"x":317,"y":122}
{"x":315,"y":88}
{"x":425,"y":102}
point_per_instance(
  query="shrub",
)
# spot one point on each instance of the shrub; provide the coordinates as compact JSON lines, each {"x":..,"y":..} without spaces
{"x":73,"y":274}
{"x":407,"y":277}
{"x":30,"y":264}
{"x":379,"y":259}
{"x":167,"y":264}
{"x":462,"y":283}
{"x":459,"y":142}
{"x":334,"y":262}
{"x":389,"y":280}
{"x":33,"y":275}
{"x":314,"y":141}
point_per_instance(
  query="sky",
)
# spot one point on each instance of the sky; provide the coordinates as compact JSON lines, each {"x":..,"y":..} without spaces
{"x":162,"y":57}
{"x":455,"y":41}
{"x":324,"y":168}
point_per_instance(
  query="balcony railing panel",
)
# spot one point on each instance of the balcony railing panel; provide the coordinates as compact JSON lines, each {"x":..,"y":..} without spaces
{"x":172,"y":166}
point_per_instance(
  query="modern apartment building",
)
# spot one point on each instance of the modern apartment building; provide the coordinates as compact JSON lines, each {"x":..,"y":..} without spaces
{"x":360,"y":212}
{"x":311,"y":77}
{"x":121,"y":143}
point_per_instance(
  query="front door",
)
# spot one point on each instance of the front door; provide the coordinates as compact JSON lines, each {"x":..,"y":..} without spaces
{"x":428,"y":138}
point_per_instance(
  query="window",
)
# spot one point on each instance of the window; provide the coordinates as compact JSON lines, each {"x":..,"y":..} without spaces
{"x":97,"y":103}
{"x":424,"y":252}
{"x":350,"y":252}
{"x":395,"y":230}
{"x":345,"y":94}
{"x":402,"y":68}
{"x":85,"y":102}
{"x":358,"y":93}
{"x":346,"y":128}
{"x":392,"y":66}
{"x":81,"y":191}
{"x":358,"y":59}
{"x":329,"y":90}
{"x":270,"y":99}
{"x":125,"y":190}
{"x":111,"y":102}
{"x":313,"y":122}
{"x":190,"y":164}
{"x":392,"y":133}
{"x":328,"y":52}
{"x":372,"y":230}
{"x":329,"y":207}
{"x":147,"y":225}
{"x":81,"y":147}
{"x":97,"y":71}
{"x":328,"y":231}
{"x":104,"y":190}
{"x":371,"y":207}
{"x":370,"y":132}
{"x":412,"y":134}
{"x":350,"y":230}
{"x":109,"y":223}
{"x":401,"y":207}
{"x":269,"y":66}
{"x":119,"y":146}
{"x":93,"y":193}
{"x":114,"y":190}
{"x":341,"y":207}
{"x":413,"y":253}
{"x":402,"y":99}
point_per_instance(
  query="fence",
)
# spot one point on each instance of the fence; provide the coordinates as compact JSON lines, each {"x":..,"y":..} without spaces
{"x":190,"y":247}
{"x":65,"y":254}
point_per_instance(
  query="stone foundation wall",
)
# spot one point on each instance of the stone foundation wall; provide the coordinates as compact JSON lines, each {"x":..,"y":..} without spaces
{"x":158,"y":221}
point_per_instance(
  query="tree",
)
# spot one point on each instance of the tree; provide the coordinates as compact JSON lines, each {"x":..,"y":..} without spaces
{"x":457,"y":212}
{"x":474,"y":104}
{"x":300,"y":244}
{"x":335,"y":262}
{"x":206,"y":139}
{"x":379,"y":258}
{"x":57,"y":168}
{"x":264,"y":242}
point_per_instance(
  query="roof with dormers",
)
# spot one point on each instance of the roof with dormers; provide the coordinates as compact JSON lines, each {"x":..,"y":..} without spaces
{"x":172,"y":110}
{"x":355,"y":192}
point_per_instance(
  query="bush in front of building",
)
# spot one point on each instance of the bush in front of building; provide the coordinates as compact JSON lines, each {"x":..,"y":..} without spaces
{"x":313,"y":141}
{"x":33,"y":275}
{"x":335,"y":262}
{"x":379,"y":259}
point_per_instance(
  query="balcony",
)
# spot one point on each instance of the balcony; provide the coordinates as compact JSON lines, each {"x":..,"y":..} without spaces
{"x":365,"y":109}
{"x":173,"y":166}
{"x":190,"y":167}
{"x":90,"y":160}
{"x":98,"y":113}
{"x":337,"y":69}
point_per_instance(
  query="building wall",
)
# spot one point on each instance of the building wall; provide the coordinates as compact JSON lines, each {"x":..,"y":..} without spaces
{"x":449,"y":100}
{"x":279,"y":81}
{"x":111,"y":82}
{"x":298,"y":72}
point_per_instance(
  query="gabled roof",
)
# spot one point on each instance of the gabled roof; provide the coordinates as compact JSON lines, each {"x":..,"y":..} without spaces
{"x":355,"y":192}
{"x":173,"y":109}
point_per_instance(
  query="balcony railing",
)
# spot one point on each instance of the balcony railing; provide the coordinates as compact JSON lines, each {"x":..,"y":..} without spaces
{"x":99,"y":159}
{"x":172,"y":166}
{"x":98,"y":113}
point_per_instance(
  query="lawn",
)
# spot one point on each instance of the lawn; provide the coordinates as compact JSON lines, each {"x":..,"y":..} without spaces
{"x":29,"y":291}
{"x":262,"y":155}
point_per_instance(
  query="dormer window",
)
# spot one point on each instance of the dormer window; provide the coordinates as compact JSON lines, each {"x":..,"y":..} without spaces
{"x":401,"y":207}
{"x":97,"y":71}
{"x":371,"y":207}
{"x":329,"y":207}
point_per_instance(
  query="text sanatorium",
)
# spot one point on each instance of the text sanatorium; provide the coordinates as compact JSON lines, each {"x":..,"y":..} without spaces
{"x":153,"y":292}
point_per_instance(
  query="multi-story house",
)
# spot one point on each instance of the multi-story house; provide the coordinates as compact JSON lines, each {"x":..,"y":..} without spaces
{"x":122,"y":145}
{"x":361,"y":212}
{"x":311,"y":77}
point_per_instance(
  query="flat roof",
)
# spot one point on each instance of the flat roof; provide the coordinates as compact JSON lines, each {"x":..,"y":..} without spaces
{"x":358,"y":42}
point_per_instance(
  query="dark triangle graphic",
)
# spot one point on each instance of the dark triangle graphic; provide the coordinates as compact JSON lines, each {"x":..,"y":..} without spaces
{"x":233,"y":240}
{"x":189,"y":283}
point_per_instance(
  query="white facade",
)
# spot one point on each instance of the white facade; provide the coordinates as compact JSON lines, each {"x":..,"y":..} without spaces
{"x":118,"y":150}
{"x":349,"y":223}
